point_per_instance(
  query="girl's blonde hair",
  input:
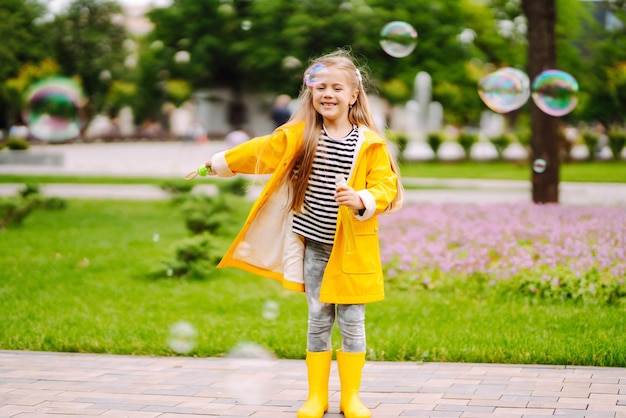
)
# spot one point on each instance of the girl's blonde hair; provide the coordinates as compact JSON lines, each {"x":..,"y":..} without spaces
{"x":358,"y":114}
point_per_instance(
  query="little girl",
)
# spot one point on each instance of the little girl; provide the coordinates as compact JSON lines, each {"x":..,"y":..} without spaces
{"x":314,"y":226}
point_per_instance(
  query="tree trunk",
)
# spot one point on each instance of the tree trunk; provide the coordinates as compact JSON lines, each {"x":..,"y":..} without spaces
{"x":541,"y":16}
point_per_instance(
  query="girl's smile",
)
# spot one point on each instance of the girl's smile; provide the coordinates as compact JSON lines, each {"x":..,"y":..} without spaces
{"x":333,"y":97}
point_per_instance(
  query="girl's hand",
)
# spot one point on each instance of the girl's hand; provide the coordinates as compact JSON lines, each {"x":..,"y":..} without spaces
{"x":209,"y":170}
{"x":346,"y":196}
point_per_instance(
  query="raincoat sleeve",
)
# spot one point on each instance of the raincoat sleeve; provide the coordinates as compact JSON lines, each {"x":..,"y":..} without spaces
{"x":260,"y":155}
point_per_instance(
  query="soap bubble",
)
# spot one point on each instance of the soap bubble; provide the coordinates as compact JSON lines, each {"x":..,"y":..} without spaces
{"x":251,"y":351}
{"x":316,"y":74}
{"x":182,"y":338}
{"x":52,"y":107}
{"x":243,"y":249}
{"x":290,"y":62}
{"x":255,"y":389}
{"x":504,"y":90}
{"x":271,"y":310}
{"x":555,"y":92}
{"x":539,"y":165}
{"x":398,"y":39}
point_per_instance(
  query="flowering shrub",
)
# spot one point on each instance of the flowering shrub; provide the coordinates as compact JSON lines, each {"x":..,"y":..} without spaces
{"x":550,"y":250}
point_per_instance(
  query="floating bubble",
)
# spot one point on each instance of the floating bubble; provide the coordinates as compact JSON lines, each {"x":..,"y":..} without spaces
{"x":316,"y":74}
{"x":255,"y":389}
{"x":156,"y":237}
{"x":539,"y":165}
{"x":246,"y":25}
{"x":84,"y":263}
{"x":504,"y":90}
{"x":398,"y":39}
{"x":52,"y":106}
{"x":555,"y":92}
{"x":290,"y":62}
{"x":243,"y":249}
{"x":271,"y":310}
{"x":182,"y":57}
{"x":251,"y":351}
{"x":182,"y":338}
{"x":226,"y":9}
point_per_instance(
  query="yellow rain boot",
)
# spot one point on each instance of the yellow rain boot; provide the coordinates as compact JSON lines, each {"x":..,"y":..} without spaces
{"x":350,"y":366}
{"x":318,"y":365}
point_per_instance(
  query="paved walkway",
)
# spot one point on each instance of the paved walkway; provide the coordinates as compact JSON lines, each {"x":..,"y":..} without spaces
{"x":34,"y":384}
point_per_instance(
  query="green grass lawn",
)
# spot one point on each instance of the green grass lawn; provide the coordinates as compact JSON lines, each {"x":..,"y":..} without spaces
{"x":78,"y":280}
{"x":610,"y":171}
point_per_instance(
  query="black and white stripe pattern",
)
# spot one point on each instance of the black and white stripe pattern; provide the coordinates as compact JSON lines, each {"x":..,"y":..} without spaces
{"x":332,"y":157}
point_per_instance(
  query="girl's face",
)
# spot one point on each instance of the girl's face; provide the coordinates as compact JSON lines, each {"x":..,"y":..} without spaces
{"x":332,"y":97}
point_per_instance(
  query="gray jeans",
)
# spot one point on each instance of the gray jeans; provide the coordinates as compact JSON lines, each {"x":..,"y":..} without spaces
{"x":350,"y":318}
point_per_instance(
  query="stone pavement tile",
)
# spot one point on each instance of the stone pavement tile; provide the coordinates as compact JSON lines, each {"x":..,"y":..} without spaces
{"x":580,"y":413}
{"x":36,"y":384}
{"x":527,"y":411}
{"x":135,"y":414}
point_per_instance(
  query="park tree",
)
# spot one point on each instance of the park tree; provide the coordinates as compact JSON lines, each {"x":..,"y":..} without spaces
{"x":23,"y":40}
{"x":604,"y":100}
{"x":553,"y":26}
{"x":541,"y":15}
{"x":87,"y":41}
{"x":265,"y":45}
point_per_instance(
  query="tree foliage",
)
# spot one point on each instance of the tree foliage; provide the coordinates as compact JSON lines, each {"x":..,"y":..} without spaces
{"x":23,"y":41}
{"x":88,"y":42}
{"x":253,"y":46}
{"x":266,"y":45}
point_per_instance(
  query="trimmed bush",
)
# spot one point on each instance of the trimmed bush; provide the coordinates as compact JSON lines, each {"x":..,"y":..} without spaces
{"x":467,"y":139}
{"x":617,"y":141}
{"x":17,"y":144}
{"x":434,"y":140}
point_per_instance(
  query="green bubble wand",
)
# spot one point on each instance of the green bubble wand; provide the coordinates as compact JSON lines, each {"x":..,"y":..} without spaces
{"x":202,"y":171}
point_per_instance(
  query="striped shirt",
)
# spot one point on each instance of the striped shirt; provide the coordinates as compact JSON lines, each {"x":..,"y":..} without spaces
{"x":319,"y":218}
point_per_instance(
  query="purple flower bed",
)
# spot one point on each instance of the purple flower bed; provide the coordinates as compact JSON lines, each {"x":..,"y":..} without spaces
{"x":550,"y":250}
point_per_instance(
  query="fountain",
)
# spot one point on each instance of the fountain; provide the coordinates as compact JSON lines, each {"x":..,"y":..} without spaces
{"x":422,"y":117}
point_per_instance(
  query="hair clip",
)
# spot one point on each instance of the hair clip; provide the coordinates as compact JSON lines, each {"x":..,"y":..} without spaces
{"x":358,"y":75}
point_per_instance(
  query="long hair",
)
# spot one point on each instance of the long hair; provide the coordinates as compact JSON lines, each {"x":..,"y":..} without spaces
{"x":359,"y":115}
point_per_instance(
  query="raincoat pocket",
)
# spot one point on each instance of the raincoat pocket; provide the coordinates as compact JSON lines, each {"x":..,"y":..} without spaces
{"x":366,"y":257}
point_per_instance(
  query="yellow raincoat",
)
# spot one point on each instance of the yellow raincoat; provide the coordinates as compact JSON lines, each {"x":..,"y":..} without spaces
{"x":266,"y":245}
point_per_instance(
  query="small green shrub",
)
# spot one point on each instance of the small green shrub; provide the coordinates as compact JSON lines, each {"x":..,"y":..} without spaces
{"x":203,"y":213}
{"x":591,"y":141}
{"x":30,"y":189}
{"x":13,"y":210}
{"x":194,"y":258}
{"x":17,"y":144}
{"x":237,"y":187}
{"x":617,"y":141}
{"x":434,"y":139}
{"x":502,"y":141}
{"x":51,"y":203}
{"x":176,"y":187}
{"x":466,"y":140}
